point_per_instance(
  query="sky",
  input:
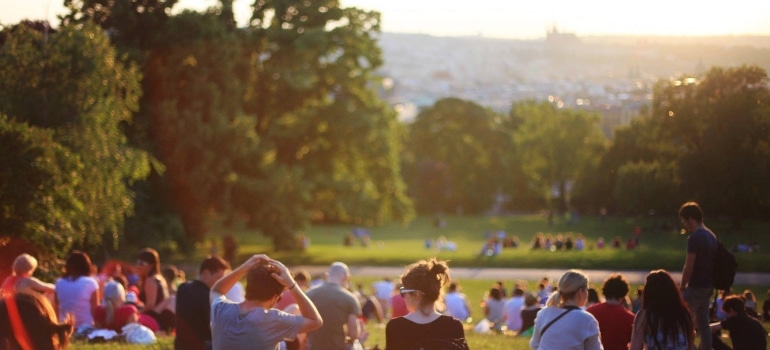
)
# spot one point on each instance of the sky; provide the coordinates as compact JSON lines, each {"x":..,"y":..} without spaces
{"x":516,"y":19}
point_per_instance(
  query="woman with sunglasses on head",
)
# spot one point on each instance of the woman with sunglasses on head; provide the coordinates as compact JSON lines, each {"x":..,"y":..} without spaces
{"x":562,"y":324}
{"x":153,"y":288}
{"x":422,"y":285}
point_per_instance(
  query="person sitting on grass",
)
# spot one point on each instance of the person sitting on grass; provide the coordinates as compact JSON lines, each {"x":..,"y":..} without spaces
{"x":28,"y":321}
{"x":115,"y":313}
{"x":424,"y":326}
{"x":746,"y":332}
{"x":23,"y":267}
{"x":254,"y":323}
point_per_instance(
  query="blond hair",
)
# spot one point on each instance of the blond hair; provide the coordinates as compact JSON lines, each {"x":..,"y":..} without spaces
{"x":24,"y":264}
{"x":569,"y":284}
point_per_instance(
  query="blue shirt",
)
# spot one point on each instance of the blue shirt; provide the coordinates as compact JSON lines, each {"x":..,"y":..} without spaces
{"x":703,"y":243}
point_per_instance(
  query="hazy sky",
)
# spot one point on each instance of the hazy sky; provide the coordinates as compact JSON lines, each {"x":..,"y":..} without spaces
{"x":512,"y":18}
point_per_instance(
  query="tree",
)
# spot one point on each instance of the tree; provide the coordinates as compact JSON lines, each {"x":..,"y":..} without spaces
{"x":73,"y":83}
{"x":457,"y":151}
{"x":38,"y":188}
{"x":719,"y":127}
{"x":556,"y":146}
{"x":312,"y":95}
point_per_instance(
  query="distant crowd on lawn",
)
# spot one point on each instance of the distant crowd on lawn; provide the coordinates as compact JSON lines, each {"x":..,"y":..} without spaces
{"x":424,"y":309}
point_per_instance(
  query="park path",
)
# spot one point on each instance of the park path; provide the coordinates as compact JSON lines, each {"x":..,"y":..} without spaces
{"x":512,"y":274}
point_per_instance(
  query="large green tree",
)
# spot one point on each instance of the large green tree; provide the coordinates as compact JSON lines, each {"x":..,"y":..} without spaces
{"x":456,"y":154}
{"x":73,"y":83}
{"x":38,"y":181}
{"x":556,"y":147}
{"x":719,"y":126}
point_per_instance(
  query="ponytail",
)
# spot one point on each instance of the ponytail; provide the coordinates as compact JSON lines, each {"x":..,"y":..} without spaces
{"x":554,"y":299}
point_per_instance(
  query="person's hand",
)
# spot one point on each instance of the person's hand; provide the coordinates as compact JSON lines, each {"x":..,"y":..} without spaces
{"x":255,"y":260}
{"x":283,"y":276}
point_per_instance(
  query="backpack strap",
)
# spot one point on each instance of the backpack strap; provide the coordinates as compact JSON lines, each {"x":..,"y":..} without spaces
{"x":556,"y":319}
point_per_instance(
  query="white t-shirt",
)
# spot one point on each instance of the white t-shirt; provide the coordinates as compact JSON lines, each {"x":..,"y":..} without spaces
{"x":456,"y":306}
{"x":75,"y":298}
{"x":236,"y":294}
{"x":512,"y":311}
{"x":577,"y":330}
{"x":382,"y":289}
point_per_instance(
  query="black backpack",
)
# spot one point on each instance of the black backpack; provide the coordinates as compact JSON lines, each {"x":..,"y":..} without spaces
{"x":442,"y":344}
{"x":725,"y":266}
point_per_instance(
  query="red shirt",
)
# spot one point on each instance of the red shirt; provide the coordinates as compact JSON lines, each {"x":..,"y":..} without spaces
{"x":119,"y":319}
{"x":615,"y":325}
{"x":399,"y":306}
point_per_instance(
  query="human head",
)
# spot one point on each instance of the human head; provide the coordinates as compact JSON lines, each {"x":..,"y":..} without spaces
{"x":748,"y":295}
{"x":260,"y":284}
{"x":302,"y":277}
{"x":24,"y":265}
{"x":495,"y":293}
{"x":453,"y":286}
{"x":593,"y":296}
{"x":518,"y":292}
{"x":339,"y":273}
{"x":660,"y":292}
{"x":691,"y":210}
{"x":212,"y":269}
{"x":78,"y":264}
{"x":530,"y":300}
{"x":615,"y":287}
{"x":114,"y":292}
{"x":39,"y":319}
{"x":570,"y":284}
{"x":734,"y":304}
{"x":169,"y":273}
{"x":428,"y":278}
{"x":148,"y":262}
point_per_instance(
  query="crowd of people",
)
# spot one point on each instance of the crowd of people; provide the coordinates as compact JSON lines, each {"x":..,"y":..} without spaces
{"x":423,"y":309}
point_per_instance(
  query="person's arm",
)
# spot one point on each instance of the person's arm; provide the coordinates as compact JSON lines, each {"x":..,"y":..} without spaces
{"x":94,"y":300}
{"x":353,"y":331}
{"x":223,"y":285}
{"x":40,"y":286}
{"x":312,"y":318}
{"x":637,"y":336}
{"x":689,"y":263}
{"x":151,"y":293}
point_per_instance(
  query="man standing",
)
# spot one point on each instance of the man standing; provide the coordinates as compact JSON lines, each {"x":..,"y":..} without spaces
{"x":192,"y":318}
{"x":338,"y":307}
{"x":697,"y":274}
{"x":616,"y":322}
{"x":254,"y":323}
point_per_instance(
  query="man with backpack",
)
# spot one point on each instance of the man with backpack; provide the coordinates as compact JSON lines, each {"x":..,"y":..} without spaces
{"x":697,"y":275}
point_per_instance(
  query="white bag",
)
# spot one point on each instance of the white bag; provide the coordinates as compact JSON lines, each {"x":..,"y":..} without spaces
{"x":356,"y":345}
{"x":484,"y":326}
{"x":136,"y":333}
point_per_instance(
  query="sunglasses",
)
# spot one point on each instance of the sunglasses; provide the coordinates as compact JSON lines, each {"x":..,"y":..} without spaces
{"x":405,"y":291}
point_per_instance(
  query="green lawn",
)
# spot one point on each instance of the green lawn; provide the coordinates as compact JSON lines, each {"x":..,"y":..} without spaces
{"x":395,"y":245}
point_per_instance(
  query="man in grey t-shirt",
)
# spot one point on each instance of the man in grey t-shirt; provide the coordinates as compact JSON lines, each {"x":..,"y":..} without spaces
{"x":253,"y":323}
{"x":339,"y":308}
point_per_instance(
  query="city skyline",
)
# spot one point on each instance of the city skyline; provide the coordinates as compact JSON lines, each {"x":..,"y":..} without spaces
{"x":510,"y":20}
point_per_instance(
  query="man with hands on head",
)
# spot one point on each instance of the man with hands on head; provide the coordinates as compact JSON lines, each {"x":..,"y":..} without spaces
{"x":253,"y":323}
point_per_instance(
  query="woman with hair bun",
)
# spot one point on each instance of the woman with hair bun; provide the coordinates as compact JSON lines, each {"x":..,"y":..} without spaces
{"x":422,"y":286}
{"x":562,"y":324}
